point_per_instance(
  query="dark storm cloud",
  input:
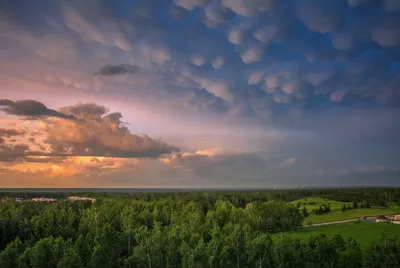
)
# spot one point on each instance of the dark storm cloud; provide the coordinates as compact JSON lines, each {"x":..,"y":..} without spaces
{"x":109,"y":70}
{"x":91,"y":109}
{"x":10,"y":132}
{"x":30,"y":108}
{"x":10,"y":153}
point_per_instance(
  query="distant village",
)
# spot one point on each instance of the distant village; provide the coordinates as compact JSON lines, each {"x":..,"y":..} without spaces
{"x":54,"y":200}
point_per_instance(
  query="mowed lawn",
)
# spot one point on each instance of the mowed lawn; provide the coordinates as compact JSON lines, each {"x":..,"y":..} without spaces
{"x":334,"y":205}
{"x":365,"y":232}
{"x":350,"y":214}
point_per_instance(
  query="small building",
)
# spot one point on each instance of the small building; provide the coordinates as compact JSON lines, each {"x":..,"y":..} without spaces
{"x":18,"y":200}
{"x":44,"y":200}
{"x":396,"y":218}
{"x":381,"y":219}
{"x":81,"y":198}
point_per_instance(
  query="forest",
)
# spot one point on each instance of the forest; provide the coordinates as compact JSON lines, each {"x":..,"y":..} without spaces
{"x":193,"y":229}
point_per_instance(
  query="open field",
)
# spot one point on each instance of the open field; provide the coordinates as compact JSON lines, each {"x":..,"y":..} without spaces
{"x":350,"y":214}
{"x":316,"y":202}
{"x":365,"y":232}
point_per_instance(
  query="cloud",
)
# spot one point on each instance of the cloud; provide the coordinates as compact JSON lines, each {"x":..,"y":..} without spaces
{"x":198,"y":60}
{"x":87,"y":109}
{"x":281,"y":98}
{"x":290,"y":87}
{"x":326,"y":69}
{"x":236,"y":36}
{"x":322,"y":17}
{"x":109,"y":70}
{"x":95,"y":133}
{"x":387,"y":33}
{"x":190,"y":4}
{"x":317,"y":75}
{"x":218,"y":88}
{"x":271,"y":82}
{"x":248,"y":7}
{"x":10,"y":132}
{"x":10,"y":153}
{"x":354,"y":3}
{"x":99,"y":134}
{"x":290,"y":161}
{"x":109,"y":34}
{"x":252,"y":55}
{"x":343,"y":40}
{"x":267,"y":33}
{"x":215,"y":13}
{"x":338,"y":96}
{"x":78,"y":23}
{"x":368,"y":170}
{"x":218,"y":62}
{"x":255,"y":78}
{"x":30,"y":108}
{"x":392,"y":5}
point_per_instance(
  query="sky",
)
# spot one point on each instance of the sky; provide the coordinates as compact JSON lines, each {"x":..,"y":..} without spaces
{"x":199,"y":93}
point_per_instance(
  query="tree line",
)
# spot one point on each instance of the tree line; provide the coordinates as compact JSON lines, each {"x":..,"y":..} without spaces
{"x":366,"y":196}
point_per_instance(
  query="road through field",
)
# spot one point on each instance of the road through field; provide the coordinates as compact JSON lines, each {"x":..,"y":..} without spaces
{"x":369,"y":219}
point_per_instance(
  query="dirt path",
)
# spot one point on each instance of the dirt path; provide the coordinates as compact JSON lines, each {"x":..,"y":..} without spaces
{"x":329,"y":223}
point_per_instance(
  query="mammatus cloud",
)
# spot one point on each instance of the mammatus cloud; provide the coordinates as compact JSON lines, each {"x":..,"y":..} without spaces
{"x":248,"y":7}
{"x":30,"y":108}
{"x":109,"y":70}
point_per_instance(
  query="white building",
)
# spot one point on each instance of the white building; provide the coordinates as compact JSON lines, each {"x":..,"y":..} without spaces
{"x":44,"y":200}
{"x":81,"y":198}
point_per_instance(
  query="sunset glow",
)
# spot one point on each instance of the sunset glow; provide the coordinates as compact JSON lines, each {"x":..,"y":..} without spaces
{"x":199,"y":93}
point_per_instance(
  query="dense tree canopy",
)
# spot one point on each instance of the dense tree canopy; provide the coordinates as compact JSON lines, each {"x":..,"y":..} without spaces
{"x":176,"y":230}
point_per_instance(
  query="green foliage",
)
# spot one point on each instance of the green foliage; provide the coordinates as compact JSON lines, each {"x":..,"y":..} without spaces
{"x":383,"y":255}
{"x":70,"y":259}
{"x":9,"y":256}
{"x":219,"y":229}
{"x":344,"y":208}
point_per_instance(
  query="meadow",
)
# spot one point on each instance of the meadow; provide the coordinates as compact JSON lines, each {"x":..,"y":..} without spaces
{"x":338,"y":215}
{"x":315,"y":202}
{"x":365,"y":233}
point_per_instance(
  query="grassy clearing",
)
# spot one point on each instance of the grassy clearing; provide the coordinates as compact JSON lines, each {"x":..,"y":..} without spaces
{"x":350,"y":214}
{"x":365,"y":232}
{"x":314,"y":202}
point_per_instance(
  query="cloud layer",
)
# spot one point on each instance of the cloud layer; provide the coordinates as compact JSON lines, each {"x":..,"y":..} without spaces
{"x":283,"y":90}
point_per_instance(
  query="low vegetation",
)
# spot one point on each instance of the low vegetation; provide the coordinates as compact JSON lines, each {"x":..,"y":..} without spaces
{"x":365,"y":233}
